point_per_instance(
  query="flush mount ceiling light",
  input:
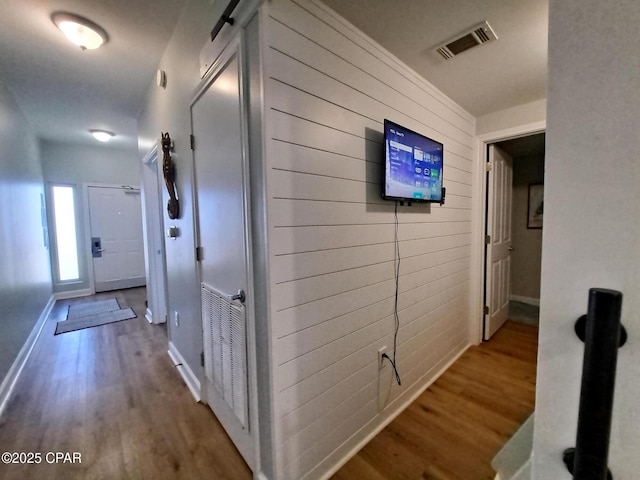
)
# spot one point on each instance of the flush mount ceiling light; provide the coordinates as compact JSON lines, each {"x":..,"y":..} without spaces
{"x":80,"y":31}
{"x":102,"y":135}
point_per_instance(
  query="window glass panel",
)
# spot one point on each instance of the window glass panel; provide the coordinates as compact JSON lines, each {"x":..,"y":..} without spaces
{"x":65,"y":222}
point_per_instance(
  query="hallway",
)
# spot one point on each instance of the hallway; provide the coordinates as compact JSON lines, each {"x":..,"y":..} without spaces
{"x":454,"y":429}
{"x":112,"y":394}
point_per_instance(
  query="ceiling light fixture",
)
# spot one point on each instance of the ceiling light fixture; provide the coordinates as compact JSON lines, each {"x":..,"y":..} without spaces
{"x":102,"y":135}
{"x":80,"y":31}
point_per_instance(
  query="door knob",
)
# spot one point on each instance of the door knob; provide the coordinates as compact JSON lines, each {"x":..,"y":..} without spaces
{"x":511,"y":249}
{"x":238,"y":296}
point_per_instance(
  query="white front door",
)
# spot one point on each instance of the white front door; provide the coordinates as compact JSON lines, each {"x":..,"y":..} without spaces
{"x":116,"y":237}
{"x":498,"y":266}
{"x":219,"y":155}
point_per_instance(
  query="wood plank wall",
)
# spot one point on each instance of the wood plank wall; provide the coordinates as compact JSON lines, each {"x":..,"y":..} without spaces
{"x":328,"y":89}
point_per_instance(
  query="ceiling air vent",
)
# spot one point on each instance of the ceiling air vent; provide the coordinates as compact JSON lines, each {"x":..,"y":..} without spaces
{"x":477,"y":35}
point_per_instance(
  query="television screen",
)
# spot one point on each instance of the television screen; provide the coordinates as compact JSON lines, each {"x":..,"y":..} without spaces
{"x":413,"y":165}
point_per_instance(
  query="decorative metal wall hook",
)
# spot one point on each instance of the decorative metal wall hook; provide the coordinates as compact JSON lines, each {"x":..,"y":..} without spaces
{"x":169,"y":172}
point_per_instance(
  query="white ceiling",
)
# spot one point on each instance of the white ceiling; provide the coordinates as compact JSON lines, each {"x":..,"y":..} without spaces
{"x":64,"y":91}
{"x":498,"y":75}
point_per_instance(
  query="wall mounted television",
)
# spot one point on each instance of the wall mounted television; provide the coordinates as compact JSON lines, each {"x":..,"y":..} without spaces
{"x":413,"y":166}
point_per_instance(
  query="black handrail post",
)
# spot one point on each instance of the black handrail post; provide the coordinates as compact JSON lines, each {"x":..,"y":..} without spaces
{"x":602,"y":339}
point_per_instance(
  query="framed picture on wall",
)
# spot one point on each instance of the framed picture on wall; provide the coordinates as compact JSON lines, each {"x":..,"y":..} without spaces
{"x":535,"y":210}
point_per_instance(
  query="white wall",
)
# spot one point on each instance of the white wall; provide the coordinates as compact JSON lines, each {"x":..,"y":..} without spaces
{"x":525,"y":114}
{"x":327,"y":90}
{"x":80,"y":164}
{"x":526,"y":257}
{"x":591,"y":236}
{"x":167,"y":110}
{"x":64,"y":162}
{"x":25,"y":280}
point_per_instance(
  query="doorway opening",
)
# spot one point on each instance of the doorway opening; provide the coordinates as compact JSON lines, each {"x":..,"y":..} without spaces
{"x":513,"y":224}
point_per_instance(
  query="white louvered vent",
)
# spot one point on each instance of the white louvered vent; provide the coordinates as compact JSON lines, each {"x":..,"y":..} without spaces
{"x":225,"y":349}
{"x":477,"y":35}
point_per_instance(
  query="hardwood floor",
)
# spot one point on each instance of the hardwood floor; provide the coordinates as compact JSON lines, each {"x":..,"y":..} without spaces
{"x":453,"y":430}
{"x":112,"y":394}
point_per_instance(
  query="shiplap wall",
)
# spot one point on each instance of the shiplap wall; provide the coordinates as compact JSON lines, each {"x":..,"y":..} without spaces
{"x":328,"y":89}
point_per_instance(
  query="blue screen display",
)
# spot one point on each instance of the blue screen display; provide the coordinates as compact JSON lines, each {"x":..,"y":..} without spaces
{"x":413,"y":169}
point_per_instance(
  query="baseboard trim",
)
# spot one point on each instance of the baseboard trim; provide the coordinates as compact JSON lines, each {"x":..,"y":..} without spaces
{"x":527,"y":300}
{"x":149,"y":316}
{"x":121,"y":284}
{"x":391,"y":416}
{"x":85,"y":292}
{"x":10,"y":380}
{"x":185,"y":372}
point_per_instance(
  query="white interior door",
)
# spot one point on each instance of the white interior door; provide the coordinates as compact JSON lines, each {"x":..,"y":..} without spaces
{"x":116,"y":237}
{"x":219,"y":154}
{"x":498,"y":266}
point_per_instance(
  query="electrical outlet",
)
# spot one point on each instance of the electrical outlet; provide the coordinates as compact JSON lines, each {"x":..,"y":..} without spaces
{"x":381,"y":361}
{"x":176,"y":318}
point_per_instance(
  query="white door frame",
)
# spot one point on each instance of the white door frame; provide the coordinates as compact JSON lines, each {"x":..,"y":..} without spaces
{"x":155,"y":264}
{"x":479,"y":215}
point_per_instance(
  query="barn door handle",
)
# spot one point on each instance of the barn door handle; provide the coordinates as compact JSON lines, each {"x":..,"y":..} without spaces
{"x":238,"y":296}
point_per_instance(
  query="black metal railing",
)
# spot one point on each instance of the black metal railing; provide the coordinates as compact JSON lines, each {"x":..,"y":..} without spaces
{"x":602,"y":334}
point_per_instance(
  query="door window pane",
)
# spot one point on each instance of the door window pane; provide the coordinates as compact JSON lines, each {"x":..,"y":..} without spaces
{"x":65,"y":223}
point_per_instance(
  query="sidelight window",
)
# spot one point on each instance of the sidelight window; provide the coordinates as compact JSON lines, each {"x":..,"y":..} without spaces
{"x":65,"y":232}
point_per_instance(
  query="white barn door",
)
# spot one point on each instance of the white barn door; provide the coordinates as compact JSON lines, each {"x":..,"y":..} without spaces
{"x":218,"y":123}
